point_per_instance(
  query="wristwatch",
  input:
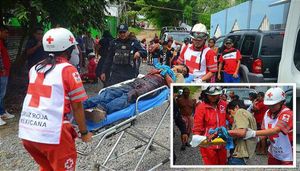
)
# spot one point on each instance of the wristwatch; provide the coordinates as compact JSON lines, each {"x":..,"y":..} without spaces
{"x":83,"y":133}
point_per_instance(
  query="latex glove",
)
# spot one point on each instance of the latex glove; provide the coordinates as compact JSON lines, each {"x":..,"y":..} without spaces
{"x":199,"y":81}
{"x":250,"y":134}
{"x":196,"y":140}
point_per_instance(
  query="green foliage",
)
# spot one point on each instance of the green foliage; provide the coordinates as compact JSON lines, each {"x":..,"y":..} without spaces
{"x":135,"y":30}
{"x":79,"y":14}
{"x":193,"y":11}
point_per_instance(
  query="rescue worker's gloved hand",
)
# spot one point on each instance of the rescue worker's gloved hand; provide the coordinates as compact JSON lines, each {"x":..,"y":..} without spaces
{"x":250,"y":134}
{"x":199,"y":81}
{"x":196,"y":140}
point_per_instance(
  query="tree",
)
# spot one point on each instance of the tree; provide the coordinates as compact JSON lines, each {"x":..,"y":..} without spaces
{"x":78,"y":15}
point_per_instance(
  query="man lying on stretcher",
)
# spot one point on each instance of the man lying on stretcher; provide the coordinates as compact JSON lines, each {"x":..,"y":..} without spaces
{"x":116,"y":98}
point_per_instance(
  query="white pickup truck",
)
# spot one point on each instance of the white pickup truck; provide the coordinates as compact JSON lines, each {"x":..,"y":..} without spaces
{"x":289,"y":67}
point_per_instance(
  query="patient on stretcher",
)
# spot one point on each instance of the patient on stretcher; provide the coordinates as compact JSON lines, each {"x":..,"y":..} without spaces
{"x":116,"y":98}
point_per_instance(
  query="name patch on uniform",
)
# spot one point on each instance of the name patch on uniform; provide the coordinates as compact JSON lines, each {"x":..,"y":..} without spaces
{"x":76,"y":77}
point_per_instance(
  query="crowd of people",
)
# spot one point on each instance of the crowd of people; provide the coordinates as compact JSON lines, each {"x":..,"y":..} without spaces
{"x":267,"y":118}
{"x":55,"y":89}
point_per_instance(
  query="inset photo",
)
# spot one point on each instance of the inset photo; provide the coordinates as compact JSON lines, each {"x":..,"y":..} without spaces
{"x":233,"y":125}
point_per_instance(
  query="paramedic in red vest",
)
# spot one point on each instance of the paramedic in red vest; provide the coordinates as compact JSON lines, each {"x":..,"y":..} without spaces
{"x":211,"y":114}
{"x":54,"y":89}
{"x":278,"y":126}
{"x":231,"y":59}
{"x":201,"y":60}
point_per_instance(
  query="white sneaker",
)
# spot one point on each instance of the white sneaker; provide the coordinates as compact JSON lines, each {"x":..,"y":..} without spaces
{"x":7,"y":115}
{"x":2,"y":122}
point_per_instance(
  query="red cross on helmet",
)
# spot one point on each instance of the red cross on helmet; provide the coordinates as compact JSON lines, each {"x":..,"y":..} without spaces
{"x":273,"y":96}
{"x":58,"y":40}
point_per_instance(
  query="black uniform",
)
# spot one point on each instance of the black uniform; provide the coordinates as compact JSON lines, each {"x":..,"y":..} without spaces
{"x":120,"y":61}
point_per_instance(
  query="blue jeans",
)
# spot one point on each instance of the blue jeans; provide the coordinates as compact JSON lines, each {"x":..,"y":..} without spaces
{"x":3,"y":84}
{"x":228,"y":78}
{"x":110,"y":100}
{"x":155,"y":61}
{"x":236,"y":161}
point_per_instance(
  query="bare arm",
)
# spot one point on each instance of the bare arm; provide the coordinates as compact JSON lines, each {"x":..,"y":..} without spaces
{"x":168,"y":80}
{"x":239,"y":133}
{"x":220,"y":68}
{"x":235,"y":74}
{"x":268,"y":132}
{"x":207,"y":76}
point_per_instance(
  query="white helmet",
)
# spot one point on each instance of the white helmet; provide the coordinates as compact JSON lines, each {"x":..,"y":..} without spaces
{"x":273,"y":96}
{"x":58,"y":40}
{"x":92,"y":54}
{"x":199,"y":31}
{"x":213,"y":90}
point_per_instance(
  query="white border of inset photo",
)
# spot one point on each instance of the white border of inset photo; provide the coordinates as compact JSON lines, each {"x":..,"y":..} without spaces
{"x":233,"y":166}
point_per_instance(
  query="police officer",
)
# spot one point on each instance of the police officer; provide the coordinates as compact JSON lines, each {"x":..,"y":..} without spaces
{"x":122,"y":61}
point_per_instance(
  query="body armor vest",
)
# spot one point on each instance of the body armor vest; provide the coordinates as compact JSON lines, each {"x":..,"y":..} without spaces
{"x":123,"y":53}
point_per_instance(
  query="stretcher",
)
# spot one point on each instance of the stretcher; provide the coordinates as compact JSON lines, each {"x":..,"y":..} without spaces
{"x":121,"y":121}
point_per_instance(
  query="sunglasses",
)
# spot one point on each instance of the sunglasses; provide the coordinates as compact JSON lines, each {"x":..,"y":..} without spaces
{"x":199,"y":35}
{"x":229,"y":43}
{"x":122,"y":32}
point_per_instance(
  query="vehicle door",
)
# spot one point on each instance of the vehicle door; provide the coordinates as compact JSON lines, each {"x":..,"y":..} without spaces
{"x":247,"y":50}
{"x":270,"y":53}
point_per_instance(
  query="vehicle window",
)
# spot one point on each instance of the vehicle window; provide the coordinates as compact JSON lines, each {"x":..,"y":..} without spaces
{"x":219,"y":42}
{"x":179,"y":37}
{"x":236,"y":40}
{"x":242,"y":93}
{"x":297,"y":52}
{"x":248,"y":44}
{"x":289,"y":99}
{"x":272,"y":44}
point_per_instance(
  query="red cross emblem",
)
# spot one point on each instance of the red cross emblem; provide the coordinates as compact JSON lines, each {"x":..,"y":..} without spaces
{"x":49,"y":39}
{"x":192,"y":64}
{"x":71,"y":39}
{"x":37,"y":90}
{"x":270,"y":95}
{"x":69,"y":164}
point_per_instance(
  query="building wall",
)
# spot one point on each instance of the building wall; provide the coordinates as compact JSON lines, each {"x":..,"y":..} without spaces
{"x":219,"y":19}
{"x":237,"y":13}
{"x":249,"y":15}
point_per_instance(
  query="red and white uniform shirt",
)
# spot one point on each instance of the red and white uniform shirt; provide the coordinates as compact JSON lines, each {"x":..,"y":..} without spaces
{"x":199,"y":62}
{"x":230,"y":57}
{"x":281,"y":144}
{"x":47,"y":101}
{"x":207,"y":117}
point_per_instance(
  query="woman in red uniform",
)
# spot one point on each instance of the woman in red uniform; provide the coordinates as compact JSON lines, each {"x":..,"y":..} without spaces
{"x":54,"y":89}
{"x":211,"y":114}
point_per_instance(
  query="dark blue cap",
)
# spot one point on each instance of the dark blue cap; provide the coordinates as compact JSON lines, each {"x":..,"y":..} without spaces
{"x":122,"y":27}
